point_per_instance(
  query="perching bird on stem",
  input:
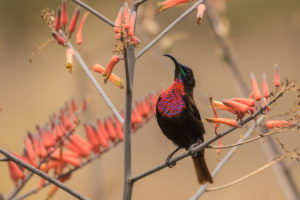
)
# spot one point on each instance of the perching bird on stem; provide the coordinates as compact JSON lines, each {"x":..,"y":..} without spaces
{"x":179,"y":118}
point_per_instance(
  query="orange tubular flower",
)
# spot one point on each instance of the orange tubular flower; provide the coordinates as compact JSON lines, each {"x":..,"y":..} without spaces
{"x":91,"y":136}
{"x":83,"y":146}
{"x":221,"y":106}
{"x":69,"y":56}
{"x":126,"y":16}
{"x":131,"y":24}
{"x":265,"y":86}
{"x":118,"y":21}
{"x":102,"y":129}
{"x":111,"y":130}
{"x":255,"y":89}
{"x":169,"y":4}
{"x":79,"y":30}
{"x":200,"y":12}
{"x":113,"y":77}
{"x":248,"y":102}
{"x":119,"y":129}
{"x":229,"y":122}
{"x":30,"y":151}
{"x":59,"y":39}
{"x":57,"y":21}
{"x":278,"y":124}
{"x":64,"y":15}
{"x":73,"y":22}
{"x":113,"y":61}
{"x":276,"y":76}
{"x":15,"y":171}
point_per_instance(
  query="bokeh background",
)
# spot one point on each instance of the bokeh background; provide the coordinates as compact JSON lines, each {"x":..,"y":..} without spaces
{"x":262,"y":33}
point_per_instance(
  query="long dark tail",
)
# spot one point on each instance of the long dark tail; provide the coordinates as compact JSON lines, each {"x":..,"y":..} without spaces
{"x":202,"y":171}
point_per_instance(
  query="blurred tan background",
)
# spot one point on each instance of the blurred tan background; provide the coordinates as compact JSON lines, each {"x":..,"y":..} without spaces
{"x":262,"y":33}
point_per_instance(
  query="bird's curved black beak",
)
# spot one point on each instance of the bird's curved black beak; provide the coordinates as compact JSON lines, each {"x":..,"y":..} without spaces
{"x":177,"y":66}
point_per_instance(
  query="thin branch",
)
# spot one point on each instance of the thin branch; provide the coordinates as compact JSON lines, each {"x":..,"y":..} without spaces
{"x":247,"y":141}
{"x":164,"y":32}
{"x":140,"y":2}
{"x":42,"y":174}
{"x":4,"y":160}
{"x":129,"y":58}
{"x":93,"y":80}
{"x":247,"y":176}
{"x":203,"y":145}
{"x":94,"y":12}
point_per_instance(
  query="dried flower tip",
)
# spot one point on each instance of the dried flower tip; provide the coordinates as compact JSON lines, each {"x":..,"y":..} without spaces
{"x":279,"y":124}
{"x":200,"y":12}
{"x":255,"y":89}
{"x":265,"y":86}
{"x":74,"y":20}
{"x":113,"y":61}
{"x":60,"y":40}
{"x":64,"y":14}
{"x":276,"y":76}
{"x":126,"y":16}
{"x":69,"y":56}
{"x":79,"y":30}
{"x":248,"y":102}
{"x":131,"y":24}
{"x":169,"y":4}
{"x":118,"y":21}
{"x":229,"y":122}
{"x":135,"y":40}
{"x":57,"y":21}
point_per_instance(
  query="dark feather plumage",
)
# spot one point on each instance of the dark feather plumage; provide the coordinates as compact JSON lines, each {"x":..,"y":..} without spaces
{"x":179,"y":118}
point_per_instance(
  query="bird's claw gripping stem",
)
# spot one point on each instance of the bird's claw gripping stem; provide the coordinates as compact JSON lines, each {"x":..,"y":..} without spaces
{"x":191,"y":151}
{"x":169,"y":163}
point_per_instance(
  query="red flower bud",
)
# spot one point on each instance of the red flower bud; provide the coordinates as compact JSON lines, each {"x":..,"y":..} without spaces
{"x":73,"y":22}
{"x":57,"y":21}
{"x":255,"y":89}
{"x":79,"y":30}
{"x":265,"y":86}
{"x":60,"y":40}
{"x":131,"y":24}
{"x":278,"y":124}
{"x":64,"y":14}
{"x":118,"y":21}
{"x":276,"y":76}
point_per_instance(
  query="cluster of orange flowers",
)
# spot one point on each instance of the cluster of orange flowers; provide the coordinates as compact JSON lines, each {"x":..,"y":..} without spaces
{"x":56,"y":147}
{"x":242,"y":106}
{"x":60,"y":22}
{"x":171,"y":3}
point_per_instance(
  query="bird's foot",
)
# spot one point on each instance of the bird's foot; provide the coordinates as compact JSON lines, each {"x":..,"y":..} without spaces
{"x":170,"y":163}
{"x":191,"y":151}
